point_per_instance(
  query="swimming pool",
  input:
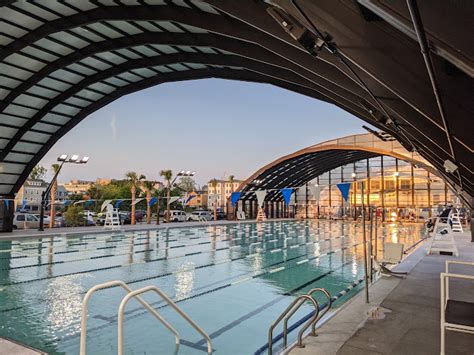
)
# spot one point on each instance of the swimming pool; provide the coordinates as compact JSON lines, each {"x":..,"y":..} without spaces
{"x":233,"y":280}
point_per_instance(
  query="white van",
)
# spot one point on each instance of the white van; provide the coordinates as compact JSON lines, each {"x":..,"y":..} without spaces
{"x":177,"y":216}
{"x":25,"y":221}
{"x":200,"y":216}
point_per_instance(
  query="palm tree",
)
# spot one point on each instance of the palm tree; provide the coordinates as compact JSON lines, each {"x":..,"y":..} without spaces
{"x":167,"y":175}
{"x":231,"y":181}
{"x":149,"y":188}
{"x":213,"y":184}
{"x":134,"y":181}
{"x":54,"y":189}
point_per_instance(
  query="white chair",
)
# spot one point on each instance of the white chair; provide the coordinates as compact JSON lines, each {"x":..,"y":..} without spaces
{"x":456,"y":315}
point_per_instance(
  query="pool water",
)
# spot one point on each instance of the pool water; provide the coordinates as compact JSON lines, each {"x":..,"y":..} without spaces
{"x":233,"y":280}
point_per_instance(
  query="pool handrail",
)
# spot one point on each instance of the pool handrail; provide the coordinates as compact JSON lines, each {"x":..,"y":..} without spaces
{"x":109,"y":284}
{"x":325,"y":309}
{"x":293,"y":307}
{"x":135,"y":294}
{"x":312,"y":320}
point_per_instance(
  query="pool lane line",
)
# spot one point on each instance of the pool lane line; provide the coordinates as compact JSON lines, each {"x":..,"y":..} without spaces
{"x":194,"y":268}
{"x":142,"y":251}
{"x":230,"y":325}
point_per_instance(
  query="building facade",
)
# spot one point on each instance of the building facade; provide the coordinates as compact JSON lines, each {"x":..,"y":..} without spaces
{"x":31,"y":192}
{"x":199,"y":201}
{"x":218,"y":195}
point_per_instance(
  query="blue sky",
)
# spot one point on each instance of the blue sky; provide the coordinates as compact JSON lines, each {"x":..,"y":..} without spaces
{"x":215,"y":127}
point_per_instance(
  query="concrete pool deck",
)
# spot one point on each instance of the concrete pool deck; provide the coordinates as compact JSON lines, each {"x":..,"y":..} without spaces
{"x":411,"y":306}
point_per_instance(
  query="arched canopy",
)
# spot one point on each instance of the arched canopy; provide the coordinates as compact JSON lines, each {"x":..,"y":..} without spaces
{"x":301,"y":167}
{"x":62,"y":60}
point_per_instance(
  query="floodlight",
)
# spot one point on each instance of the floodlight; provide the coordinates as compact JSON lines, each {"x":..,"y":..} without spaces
{"x":396,"y":174}
{"x":193,"y":173}
{"x":84,"y":160}
{"x":62,"y":157}
{"x":74,"y":158}
{"x":188,"y":173}
{"x":353,"y":175}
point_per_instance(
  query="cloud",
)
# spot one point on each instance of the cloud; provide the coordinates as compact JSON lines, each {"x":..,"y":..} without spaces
{"x":113,"y":126}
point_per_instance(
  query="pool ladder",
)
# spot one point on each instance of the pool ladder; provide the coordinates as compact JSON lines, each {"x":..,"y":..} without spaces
{"x":136,"y":294}
{"x":291,"y":310}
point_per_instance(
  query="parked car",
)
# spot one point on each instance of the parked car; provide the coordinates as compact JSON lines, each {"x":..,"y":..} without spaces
{"x":139,"y":215}
{"x":177,"y":216}
{"x":200,"y":216}
{"x":125,"y":218}
{"x":25,"y":221}
{"x":58,"y":221}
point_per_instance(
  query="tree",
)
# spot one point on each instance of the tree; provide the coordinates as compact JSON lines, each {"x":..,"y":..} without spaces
{"x":134,"y":181}
{"x":74,"y":216}
{"x":54,"y":189}
{"x":187,"y":184}
{"x":213,"y":184}
{"x":149,"y":188}
{"x":167,"y":175}
{"x":229,"y":203}
{"x":38,"y":172}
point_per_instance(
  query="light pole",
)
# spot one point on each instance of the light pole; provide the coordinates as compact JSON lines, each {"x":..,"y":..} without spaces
{"x":63,"y":158}
{"x":180,"y":174}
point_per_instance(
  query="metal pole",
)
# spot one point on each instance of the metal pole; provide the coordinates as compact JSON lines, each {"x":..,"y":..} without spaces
{"x":44,"y":197}
{"x":371,"y":226}
{"x":365,"y":247}
{"x":375,"y":239}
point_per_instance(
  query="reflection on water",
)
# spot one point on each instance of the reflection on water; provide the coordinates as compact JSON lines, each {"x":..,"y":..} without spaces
{"x":184,"y":280}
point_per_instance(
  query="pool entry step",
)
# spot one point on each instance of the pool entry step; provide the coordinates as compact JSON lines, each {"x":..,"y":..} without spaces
{"x":136,"y":294}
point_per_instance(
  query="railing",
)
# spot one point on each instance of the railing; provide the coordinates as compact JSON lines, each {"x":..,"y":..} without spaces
{"x":134,"y":294}
{"x":291,"y":310}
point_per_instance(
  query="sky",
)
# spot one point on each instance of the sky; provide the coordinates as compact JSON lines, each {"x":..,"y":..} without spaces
{"x":214,"y":127}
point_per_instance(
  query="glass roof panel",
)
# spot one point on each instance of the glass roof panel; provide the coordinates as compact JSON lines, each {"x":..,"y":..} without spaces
{"x":178,"y":67}
{"x":5,"y":40}
{"x":66,"y":76}
{"x":128,"y":53}
{"x":129,"y":76}
{"x":11,"y":29}
{"x":77,"y":101}
{"x":10,"y":82}
{"x":30,"y":101}
{"x":193,"y":29}
{"x":164,"y":48}
{"x":19,"y":18}
{"x":8,"y":179}
{"x":170,"y":27}
{"x":15,"y":121}
{"x":39,"y":53}
{"x":27,"y":147}
{"x":15,"y":72}
{"x":22,"y":158}
{"x":45,"y":127}
{"x":13,"y":168}
{"x":107,"y":31}
{"x":24,"y":62}
{"x":58,"y":7}
{"x":148,"y":26}
{"x":84,"y":32}
{"x":130,"y":2}
{"x":163,"y":69}
{"x":147,"y":52}
{"x":42,"y":92}
{"x":52,"y":83}
{"x":53,"y":46}
{"x":8,"y":132}
{"x":155,"y":2}
{"x":204,"y":7}
{"x":3,"y":142}
{"x":88,"y":94}
{"x":67,"y":110}
{"x":37,"y":11}
{"x":102,"y":87}
{"x":111,"y":57}
{"x":186,"y":49}
{"x":4,"y":93}
{"x":5,"y":189}
{"x":181,"y":3}
{"x":69,"y":39}
{"x":144,"y":72}
{"x":206,"y":50}
{"x":36,"y":137}
{"x":20,"y":111}
{"x":116,"y":81}
{"x":99,"y":64}
{"x":86,"y":71}
{"x":126,"y":27}
{"x":83,"y":4}
{"x":196,"y":65}
{"x":53,"y":118}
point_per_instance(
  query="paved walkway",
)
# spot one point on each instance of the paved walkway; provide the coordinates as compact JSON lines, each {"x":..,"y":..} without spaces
{"x":410,"y":309}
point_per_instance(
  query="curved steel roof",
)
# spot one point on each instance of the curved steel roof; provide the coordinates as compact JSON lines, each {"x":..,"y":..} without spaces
{"x":62,"y":60}
{"x":298,"y":168}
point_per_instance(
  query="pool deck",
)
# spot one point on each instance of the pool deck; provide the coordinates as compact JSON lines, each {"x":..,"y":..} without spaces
{"x":74,"y":231}
{"x":410,"y":312}
{"x":9,"y":347}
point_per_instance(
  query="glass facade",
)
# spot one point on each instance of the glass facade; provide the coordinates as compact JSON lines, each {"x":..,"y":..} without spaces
{"x":395,"y":187}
